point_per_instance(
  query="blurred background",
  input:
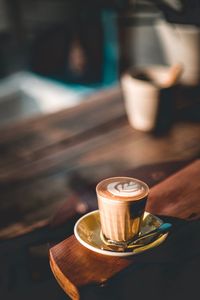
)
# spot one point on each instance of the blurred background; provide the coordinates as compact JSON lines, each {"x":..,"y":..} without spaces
{"x":69,"y":50}
{"x":53,"y":55}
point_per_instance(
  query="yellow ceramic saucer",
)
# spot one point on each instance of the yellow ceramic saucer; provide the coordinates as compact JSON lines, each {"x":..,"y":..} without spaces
{"x":88,"y":232}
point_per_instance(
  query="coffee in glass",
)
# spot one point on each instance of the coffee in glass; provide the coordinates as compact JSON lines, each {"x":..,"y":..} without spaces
{"x":121,"y":202}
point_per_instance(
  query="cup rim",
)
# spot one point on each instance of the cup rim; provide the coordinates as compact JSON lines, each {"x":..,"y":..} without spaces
{"x":122,"y":199}
{"x":151,"y":77}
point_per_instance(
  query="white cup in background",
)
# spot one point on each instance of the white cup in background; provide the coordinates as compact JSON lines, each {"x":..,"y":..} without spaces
{"x":145,"y":90}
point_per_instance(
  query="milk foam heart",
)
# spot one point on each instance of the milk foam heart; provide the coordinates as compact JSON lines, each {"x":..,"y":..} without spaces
{"x":125,"y":189}
{"x":122,"y":188}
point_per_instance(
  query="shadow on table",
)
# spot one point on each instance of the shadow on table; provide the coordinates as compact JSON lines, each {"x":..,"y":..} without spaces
{"x":170,"y":271}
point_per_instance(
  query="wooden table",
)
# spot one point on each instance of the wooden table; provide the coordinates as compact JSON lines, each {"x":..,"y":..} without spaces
{"x":84,"y":274}
{"x":39,"y":157}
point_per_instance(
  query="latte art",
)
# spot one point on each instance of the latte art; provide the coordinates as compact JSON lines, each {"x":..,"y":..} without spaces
{"x":121,"y":202}
{"x":125,"y":189}
{"x":122,"y":189}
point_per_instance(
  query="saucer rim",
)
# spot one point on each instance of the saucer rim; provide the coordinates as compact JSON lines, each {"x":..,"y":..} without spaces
{"x":114,"y":253}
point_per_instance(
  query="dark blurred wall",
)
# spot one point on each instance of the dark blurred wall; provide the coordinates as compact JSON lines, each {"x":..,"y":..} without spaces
{"x":62,"y":39}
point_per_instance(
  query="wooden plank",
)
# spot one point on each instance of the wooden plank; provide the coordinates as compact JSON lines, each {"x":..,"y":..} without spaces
{"x":178,"y":195}
{"x":87,"y":133}
{"x":96,"y":109}
{"x":32,"y":140}
{"x":77,"y":268}
{"x":106,"y":146}
{"x":55,"y":200}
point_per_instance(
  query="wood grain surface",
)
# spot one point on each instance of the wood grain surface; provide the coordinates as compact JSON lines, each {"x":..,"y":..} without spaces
{"x":38,"y":157}
{"x":79,"y":270}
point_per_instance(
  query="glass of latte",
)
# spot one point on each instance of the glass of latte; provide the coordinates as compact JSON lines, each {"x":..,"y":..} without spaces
{"x":121,"y":202}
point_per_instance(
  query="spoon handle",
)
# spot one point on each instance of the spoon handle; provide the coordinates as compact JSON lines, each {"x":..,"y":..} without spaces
{"x":137,"y":243}
{"x":163,"y":228}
